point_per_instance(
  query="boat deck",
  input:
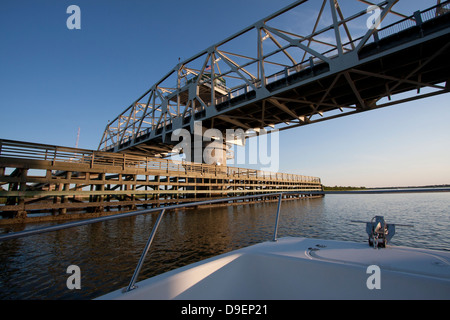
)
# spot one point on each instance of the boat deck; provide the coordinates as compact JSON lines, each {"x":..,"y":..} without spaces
{"x":301,"y":268}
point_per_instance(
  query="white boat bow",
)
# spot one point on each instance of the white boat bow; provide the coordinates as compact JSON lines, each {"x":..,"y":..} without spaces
{"x":302,"y":268}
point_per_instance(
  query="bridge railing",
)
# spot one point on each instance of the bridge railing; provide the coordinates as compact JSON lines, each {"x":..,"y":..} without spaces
{"x":436,"y":11}
{"x":414,"y":20}
{"x":396,"y":27}
{"x":34,"y":151}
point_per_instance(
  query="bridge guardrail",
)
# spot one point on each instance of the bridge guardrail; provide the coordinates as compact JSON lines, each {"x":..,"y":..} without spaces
{"x":35,"y":151}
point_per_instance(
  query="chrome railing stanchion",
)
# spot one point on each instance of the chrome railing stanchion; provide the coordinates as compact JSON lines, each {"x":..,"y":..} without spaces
{"x":280,"y":197}
{"x":132,"y":286}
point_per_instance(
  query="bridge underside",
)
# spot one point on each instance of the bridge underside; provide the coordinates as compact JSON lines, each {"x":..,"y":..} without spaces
{"x":359,"y":88}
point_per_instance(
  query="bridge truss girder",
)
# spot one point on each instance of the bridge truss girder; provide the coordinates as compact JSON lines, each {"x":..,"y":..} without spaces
{"x":290,"y":78}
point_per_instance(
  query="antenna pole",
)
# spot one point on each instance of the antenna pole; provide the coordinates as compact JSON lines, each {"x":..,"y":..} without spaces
{"x":78,"y":138}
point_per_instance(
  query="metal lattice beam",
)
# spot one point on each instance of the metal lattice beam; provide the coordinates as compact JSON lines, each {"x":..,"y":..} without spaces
{"x":296,"y":75}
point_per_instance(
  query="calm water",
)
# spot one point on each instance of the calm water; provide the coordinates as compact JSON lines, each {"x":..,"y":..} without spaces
{"x":107,"y":253}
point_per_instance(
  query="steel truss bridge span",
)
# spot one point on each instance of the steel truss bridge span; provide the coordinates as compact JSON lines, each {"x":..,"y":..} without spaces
{"x":292,"y":77}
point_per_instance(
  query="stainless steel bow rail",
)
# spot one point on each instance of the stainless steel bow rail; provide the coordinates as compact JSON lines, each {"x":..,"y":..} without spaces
{"x":162,"y":210}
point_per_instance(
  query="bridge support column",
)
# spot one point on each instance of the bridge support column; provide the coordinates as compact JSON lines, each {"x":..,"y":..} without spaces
{"x":18,"y":201}
{"x":212,"y":152}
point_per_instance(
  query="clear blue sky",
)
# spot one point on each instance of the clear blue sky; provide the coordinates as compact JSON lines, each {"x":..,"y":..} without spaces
{"x":54,"y":80}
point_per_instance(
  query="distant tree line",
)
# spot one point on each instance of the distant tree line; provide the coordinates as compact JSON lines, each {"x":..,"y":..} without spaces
{"x":342,"y":188}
